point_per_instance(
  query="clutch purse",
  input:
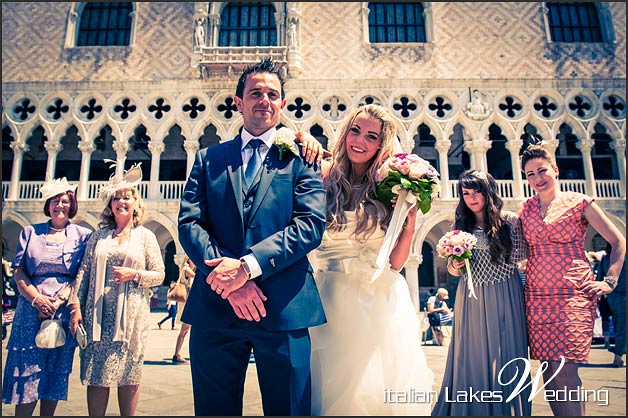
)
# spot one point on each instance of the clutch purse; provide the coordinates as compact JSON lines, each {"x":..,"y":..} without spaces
{"x":81,"y":336}
{"x":51,"y":334}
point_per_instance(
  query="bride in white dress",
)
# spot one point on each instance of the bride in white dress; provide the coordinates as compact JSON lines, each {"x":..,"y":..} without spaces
{"x":367,"y":359}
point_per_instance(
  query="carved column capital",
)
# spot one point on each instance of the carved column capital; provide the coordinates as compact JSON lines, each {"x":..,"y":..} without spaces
{"x":156,"y":147}
{"x":442,"y":145}
{"x":19,"y":146}
{"x":52,"y":146}
{"x":86,"y":146}
{"x":121,"y":147}
{"x":191,"y":146}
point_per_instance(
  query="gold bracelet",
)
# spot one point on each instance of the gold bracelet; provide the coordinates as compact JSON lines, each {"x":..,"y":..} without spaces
{"x":35,"y":300}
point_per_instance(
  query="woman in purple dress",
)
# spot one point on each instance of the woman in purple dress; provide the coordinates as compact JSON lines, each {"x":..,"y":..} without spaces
{"x":46,"y":261}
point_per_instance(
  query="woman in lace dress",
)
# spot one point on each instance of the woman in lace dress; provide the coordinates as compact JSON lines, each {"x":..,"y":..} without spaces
{"x":122,"y":262}
{"x":368,"y":354}
{"x":561,"y":291}
{"x":46,"y":261}
{"x":489,"y":331}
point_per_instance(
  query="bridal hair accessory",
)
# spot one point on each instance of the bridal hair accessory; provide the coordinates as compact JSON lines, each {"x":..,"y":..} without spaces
{"x":534,"y":140}
{"x":55,"y":187}
{"x":130,"y":179}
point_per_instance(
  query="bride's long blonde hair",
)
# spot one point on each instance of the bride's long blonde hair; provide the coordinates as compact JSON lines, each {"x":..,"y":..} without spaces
{"x":345,"y":193}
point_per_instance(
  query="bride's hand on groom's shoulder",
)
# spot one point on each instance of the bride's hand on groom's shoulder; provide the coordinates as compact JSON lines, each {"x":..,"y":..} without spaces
{"x":248,"y":302}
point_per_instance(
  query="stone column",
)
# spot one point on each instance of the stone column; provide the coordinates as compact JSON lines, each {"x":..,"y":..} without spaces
{"x":477,"y":148}
{"x":86,"y":148}
{"x":52,"y":147}
{"x":156,"y":147}
{"x":412,"y":278}
{"x":292,"y":31}
{"x":586,"y":145}
{"x":514,"y":145}
{"x":191,"y":147}
{"x":619,"y":145}
{"x":19,"y":148}
{"x":121,"y":147}
{"x":442,"y":146}
{"x":212,"y":30}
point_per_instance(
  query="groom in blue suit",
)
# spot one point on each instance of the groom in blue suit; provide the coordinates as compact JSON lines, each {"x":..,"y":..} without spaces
{"x":248,"y":217}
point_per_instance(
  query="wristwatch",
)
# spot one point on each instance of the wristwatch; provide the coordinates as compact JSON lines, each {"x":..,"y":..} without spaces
{"x":246,"y":269}
{"x":610,"y":281}
{"x":136,"y":278}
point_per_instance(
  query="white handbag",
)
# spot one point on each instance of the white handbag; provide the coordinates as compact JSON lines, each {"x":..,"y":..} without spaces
{"x":81,"y":336}
{"x":51,"y":334}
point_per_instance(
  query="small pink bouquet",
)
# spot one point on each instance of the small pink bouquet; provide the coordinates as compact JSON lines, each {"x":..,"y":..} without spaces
{"x":410,"y":172}
{"x":458,"y":245}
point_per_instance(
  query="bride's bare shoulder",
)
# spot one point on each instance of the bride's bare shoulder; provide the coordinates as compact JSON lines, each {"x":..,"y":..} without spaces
{"x":325,"y":168}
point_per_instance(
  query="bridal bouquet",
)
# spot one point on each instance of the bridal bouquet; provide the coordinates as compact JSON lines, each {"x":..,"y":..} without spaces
{"x":414,"y":181}
{"x":409,"y":172}
{"x":458,"y":245}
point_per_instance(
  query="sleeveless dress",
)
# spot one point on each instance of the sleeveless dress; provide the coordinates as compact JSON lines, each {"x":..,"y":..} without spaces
{"x":33,"y":373}
{"x":560,"y":317}
{"x":488,"y":332}
{"x":367,"y":359}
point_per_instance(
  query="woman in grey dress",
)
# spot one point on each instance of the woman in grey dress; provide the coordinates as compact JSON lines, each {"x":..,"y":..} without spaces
{"x":490,"y":331}
{"x":122,"y":262}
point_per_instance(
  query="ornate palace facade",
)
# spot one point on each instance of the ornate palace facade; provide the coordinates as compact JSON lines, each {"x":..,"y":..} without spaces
{"x":469,"y":83}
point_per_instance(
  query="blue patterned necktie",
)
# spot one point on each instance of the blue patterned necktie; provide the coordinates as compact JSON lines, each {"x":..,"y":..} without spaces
{"x":254,"y":163}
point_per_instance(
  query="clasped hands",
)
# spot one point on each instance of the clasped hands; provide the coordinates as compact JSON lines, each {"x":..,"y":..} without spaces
{"x":230,"y":282}
{"x":47,"y":306}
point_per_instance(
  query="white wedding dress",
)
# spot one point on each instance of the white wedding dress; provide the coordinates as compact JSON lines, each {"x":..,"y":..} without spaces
{"x":367,"y":359}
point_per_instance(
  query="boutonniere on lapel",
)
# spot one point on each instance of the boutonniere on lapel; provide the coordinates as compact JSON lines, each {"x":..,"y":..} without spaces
{"x":284,"y":141}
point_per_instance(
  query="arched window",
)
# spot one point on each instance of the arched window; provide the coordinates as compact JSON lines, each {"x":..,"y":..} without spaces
{"x":573,"y":22}
{"x":105,"y":23}
{"x":396,"y":22}
{"x":248,"y":24}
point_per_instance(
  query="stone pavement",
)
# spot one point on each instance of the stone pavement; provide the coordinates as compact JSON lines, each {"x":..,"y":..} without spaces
{"x":166,"y":388}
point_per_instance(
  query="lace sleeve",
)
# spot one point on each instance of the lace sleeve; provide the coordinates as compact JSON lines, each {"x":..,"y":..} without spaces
{"x":155,"y":270}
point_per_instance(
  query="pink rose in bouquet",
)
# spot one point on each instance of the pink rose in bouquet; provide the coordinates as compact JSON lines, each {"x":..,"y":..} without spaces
{"x":410,"y":172}
{"x":458,"y":245}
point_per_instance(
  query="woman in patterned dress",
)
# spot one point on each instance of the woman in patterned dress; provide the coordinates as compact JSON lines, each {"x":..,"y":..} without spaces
{"x":46,"y":261}
{"x":561,"y":292}
{"x":490,"y":331}
{"x":111,"y":297}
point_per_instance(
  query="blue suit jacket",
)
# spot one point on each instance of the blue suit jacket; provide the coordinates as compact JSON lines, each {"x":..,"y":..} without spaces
{"x":287,"y":221}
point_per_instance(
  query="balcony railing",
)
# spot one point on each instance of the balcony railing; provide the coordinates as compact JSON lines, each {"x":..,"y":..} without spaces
{"x":29,"y":190}
{"x":220,"y":58}
{"x":605,"y":189}
{"x":172,"y":190}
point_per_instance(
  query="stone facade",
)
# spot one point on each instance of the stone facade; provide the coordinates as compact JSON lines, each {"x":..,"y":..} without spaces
{"x":166,"y":78}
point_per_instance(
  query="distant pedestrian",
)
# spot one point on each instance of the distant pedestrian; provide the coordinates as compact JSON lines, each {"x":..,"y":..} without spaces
{"x":186,"y":276}
{"x":172,"y":310}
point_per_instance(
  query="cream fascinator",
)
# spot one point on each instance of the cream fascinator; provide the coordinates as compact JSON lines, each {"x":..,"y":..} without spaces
{"x":54,"y":187}
{"x":130,"y":179}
